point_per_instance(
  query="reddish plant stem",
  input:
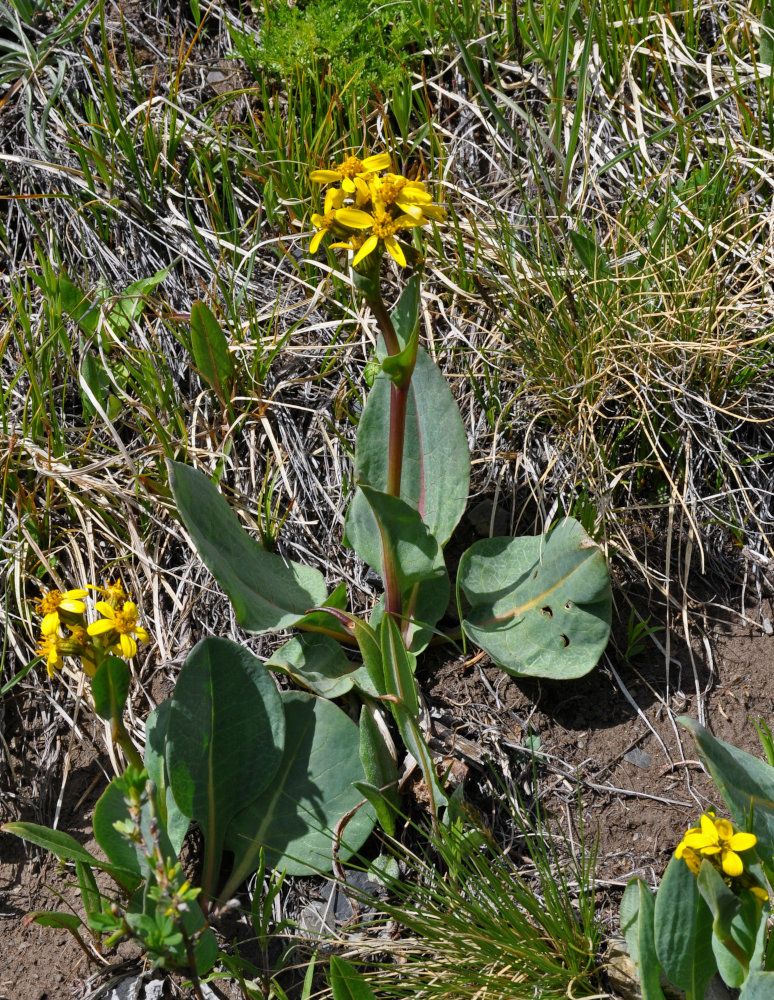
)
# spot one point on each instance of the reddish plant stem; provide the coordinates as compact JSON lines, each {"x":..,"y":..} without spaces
{"x":397,"y":434}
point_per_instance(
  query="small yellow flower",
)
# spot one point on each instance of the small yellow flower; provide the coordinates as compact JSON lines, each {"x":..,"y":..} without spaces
{"x":52,"y":602}
{"x":717,"y":840}
{"x":346,"y":171}
{"x":383,"y":227}
{"x":411,"y":197}
{"x":334,"y":199}
{"x":113,"y":592}
{"x":123,"y":624}
{"x":49,"y":646}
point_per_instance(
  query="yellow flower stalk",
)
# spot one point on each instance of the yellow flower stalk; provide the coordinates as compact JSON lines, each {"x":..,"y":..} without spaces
{"x":119,"y":628}
{"x":716,"y":840}
{"x":52,"y":603}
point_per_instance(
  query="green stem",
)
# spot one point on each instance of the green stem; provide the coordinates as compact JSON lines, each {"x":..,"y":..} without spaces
{"x":120,"y":736}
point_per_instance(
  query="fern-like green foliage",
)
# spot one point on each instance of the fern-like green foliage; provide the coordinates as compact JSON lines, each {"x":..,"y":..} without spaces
{"x":360,"y":44}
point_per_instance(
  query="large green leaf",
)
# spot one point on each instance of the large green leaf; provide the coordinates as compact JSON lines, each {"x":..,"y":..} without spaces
{"x":67,"y":848}
{"x":636,"y":915}
{"x":224,"y":741}
{"x":267,"y":591}
{"x":540,"y":606}
{"x":295,"y":818}
{"x":155,"y":764}
{"x":735,"y":924}
{"x":683,"y":930}
{"x":436,"y":463}
{"x":758,"y":986}
{"x":745,"y":782}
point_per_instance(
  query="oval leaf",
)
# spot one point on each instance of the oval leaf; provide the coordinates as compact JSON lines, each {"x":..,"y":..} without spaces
{"x":155,"y":764}
{"x":224,"y":739}
{"x":210,"y":351}
{"x":636,"y":914}
{"x":110,"y":687}
{"x":267,"y":591}
{"x":295,"y":818}
{"x":683,"y":930}
{"x":436,"y":462}
{"x":540,"y":606}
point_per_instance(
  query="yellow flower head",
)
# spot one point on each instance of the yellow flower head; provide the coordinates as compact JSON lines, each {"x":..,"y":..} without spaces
{"x":119,"y":627}
{"x":716,"y":840}
{"x":334,"y":199}
{"x":371,"y":207}
{"x":52,"y":603}
{"x":350,"y":168}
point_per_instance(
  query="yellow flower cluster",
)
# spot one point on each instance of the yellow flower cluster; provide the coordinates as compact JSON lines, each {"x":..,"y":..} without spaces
{"x":716,"y":841}
{"x":64,"y":612}
{"x":371,"y":207}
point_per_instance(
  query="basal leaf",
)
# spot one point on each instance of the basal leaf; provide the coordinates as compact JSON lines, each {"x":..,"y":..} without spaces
{"x":267,"y":591}
{"x":683,"y":930}
{"x":540,"y":606}
{"x":295,"y":818}
{"x":224,"y":741}
{"x":316,"y":662}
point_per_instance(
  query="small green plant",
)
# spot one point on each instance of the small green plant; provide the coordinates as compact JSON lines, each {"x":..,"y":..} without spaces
{"x":475,"y":922}
{"x":354,"y":42}
{"x":710,"y":914}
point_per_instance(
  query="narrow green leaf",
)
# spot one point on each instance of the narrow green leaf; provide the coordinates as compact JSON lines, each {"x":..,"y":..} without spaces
{"x":56,"y":918}
{"x":87,"y":886}
{"x":110,"y":687}
{"x":399,"y":666}
{"x":540,"y":606}
{"x":224,"y":741}
{"x":381,"y":773}
{"x":683,"y":931}
{"x":68,"y":849}
{"x":267,"y":591}
{"x":210,"y":352}
{"x":636,"y":913}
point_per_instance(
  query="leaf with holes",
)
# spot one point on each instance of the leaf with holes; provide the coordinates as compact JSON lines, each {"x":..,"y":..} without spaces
{"x":540,"y":606}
